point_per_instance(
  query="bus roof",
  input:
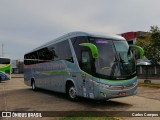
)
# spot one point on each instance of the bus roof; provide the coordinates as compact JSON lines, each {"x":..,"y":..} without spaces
{"x":75,"y":34}
{"x":4,"y":57}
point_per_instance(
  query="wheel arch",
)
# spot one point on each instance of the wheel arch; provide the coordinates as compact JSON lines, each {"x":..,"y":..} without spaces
{"x":69,"y":81}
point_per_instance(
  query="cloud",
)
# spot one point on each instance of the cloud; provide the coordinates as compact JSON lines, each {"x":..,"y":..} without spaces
{"x":27,"y":24}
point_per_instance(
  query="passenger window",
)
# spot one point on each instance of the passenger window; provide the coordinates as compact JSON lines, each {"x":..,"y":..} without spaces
{"x":77,"y":48}
{"x":31,"y":58}
{"x":59,"y":51}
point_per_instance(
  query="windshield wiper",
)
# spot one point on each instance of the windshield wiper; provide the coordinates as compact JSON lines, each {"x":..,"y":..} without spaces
{"x":121,"y":60}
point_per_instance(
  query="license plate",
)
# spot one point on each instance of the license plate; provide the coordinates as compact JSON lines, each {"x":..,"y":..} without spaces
{"x":122,"y":93}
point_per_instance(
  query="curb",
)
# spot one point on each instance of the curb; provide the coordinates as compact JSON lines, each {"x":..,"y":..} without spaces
{"x":17,"y":77}
{"x":149,"y":85}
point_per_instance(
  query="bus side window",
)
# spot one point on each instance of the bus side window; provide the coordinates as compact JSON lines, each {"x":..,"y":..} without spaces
{"x":86,"y":62}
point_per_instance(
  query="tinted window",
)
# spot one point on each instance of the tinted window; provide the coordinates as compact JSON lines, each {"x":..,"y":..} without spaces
{"x":31,"y":58}
{"x":44,"y":55}
{"x":113,"y":62}
{"x":4,"y":61}
{"x":86,"y":62}
{"x":75,"y":42}
{"x":59,"y":51}
{"x":106,"y":55}
{"x":83,"y":54}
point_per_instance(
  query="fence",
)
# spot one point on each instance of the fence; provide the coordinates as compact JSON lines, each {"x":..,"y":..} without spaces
{"x":152,"y":71}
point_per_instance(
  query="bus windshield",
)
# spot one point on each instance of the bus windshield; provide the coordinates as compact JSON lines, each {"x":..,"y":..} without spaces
{"x":115,"y":60}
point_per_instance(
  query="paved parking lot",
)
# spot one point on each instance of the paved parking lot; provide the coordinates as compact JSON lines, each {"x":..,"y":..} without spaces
{"x":16,"y":96}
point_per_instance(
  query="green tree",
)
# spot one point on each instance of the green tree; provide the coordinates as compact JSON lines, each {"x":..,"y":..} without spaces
{"x":151,"y":44}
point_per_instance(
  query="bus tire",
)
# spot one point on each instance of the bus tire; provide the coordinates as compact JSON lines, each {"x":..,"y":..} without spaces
{"x":33,"y":85}
{"x":71,"y":92}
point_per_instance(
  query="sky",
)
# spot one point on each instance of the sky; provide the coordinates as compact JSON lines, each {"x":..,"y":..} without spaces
{"x":27,"y":24}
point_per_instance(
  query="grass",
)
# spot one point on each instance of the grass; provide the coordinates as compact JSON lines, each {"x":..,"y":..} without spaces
{"x":89,"y":118}
{"x":149,"y":84}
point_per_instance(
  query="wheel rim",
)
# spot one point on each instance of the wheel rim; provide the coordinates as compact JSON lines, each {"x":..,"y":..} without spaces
{"x":72,"y":92}
{"x":33,"y":86}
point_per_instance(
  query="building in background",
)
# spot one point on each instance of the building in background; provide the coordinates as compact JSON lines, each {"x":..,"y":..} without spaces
{"x":131,"y":37}
{"x":17,"y":66}
{"x":153,"y":71}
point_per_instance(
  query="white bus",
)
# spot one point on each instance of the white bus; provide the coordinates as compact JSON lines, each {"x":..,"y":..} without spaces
{"x":84,"y":64}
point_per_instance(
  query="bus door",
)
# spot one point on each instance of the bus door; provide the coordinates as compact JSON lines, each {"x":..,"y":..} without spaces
{"x":87,"y":65}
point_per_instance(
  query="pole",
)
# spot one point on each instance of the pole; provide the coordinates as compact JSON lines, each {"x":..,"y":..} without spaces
{"x":146,"y":80}
{"x":2,"y":49}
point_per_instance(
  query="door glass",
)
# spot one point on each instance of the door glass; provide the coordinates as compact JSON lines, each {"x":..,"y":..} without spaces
{"x":86,"y":61}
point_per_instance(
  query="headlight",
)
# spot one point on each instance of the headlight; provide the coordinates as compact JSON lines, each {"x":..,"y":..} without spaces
{"x":117,"y":87}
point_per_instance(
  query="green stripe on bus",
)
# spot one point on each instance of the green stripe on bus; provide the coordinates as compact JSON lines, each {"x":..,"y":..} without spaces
{"x":54,"y":72}
{"x":4,"y":68}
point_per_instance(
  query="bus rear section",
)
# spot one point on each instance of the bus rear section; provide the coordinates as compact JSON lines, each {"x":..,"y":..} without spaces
{"x":5,"y":69}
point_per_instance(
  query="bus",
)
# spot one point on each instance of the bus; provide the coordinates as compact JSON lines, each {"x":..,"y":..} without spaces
{"x":82,"y":64}
{"x":5,"y":69}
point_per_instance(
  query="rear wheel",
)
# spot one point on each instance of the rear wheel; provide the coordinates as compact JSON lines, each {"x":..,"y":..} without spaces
{"x":71,"y":92}
{"x":33,"y":85}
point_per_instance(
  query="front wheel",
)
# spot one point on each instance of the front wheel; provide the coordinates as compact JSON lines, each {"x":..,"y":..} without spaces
{"x":33,"y":85}
{"x":71,"y":92}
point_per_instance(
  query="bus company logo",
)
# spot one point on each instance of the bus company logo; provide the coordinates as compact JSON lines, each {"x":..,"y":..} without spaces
{"x":6,"y":114}
{"x":21,"y":114}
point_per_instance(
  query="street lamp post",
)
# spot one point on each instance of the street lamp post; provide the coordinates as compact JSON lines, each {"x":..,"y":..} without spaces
{"x":146,"y":80}
{"x":2,"y":49}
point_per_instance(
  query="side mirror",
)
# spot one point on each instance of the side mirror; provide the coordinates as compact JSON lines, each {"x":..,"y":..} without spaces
{"x":93,"y":49}
{"x":139,"y":49}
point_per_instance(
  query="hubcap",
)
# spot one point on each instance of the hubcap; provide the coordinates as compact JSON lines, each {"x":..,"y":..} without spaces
{"x":72,"y":92}
{"x":33,"y":85}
